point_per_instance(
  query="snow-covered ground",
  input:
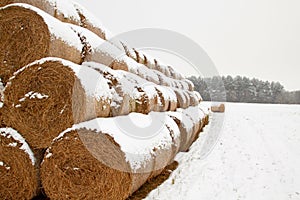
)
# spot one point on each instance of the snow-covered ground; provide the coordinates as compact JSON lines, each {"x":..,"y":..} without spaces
{"x":256,"y":156}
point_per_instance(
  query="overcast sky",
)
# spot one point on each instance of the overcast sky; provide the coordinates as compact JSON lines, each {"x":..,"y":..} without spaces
{"x":254,"y":38}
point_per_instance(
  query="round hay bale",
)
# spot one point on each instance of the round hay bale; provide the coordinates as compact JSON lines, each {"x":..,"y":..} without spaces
{"x":19,"y":179}
{"x":99,"y":153}
{"x":168,"y":98}
{"x":52,"y":94}
{"x":197,"y":116}
{"x":182,"y":101}
{"x":193,"y":98}
{"x":162,"y":155}
{"x":198,"y":96}
{"x":187,"y":97}
{"x":186,"y":127}
{"x":191,"y":86}
{"x":29,"y":34}
{"x":218,"y":108}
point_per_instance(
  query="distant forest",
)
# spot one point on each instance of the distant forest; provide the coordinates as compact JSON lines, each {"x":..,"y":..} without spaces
{"x":243,"y":89}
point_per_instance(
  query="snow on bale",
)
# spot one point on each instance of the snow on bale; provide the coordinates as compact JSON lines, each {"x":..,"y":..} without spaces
{"x":190,"y":122}
{"x":66,"y":11}
{"x":197,"y":116}
{"x":98,"y":159}
{"x":185,"y":125}
{"x":168,"y":98}
{"x":19,"y":179}
{"x":49,"y":95}
{"x":205,"y":110}
{"x":193,"y":99}
{"x":29,"y":34}
{"x":182,"y":98}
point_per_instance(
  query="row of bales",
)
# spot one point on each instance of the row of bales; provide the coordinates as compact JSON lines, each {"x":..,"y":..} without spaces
{"x":74,"y":107}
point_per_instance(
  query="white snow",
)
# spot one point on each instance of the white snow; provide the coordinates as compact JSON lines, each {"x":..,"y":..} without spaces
{"x":250,"y":152}
{"x":9,"y":132}
{"x":34,"y":95}
{"x":57,"y":28}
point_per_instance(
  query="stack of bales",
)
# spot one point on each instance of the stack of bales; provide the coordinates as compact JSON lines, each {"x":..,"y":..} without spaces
{"x":65,"y":89}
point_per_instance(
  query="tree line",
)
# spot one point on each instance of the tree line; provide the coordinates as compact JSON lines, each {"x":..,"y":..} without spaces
{"x":243,"y":89}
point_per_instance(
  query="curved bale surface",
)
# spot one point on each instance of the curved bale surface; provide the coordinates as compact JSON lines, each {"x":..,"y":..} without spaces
{"x":50,"y":95}
{"x":19,"y":179}
{"x":29,"y":34}
{"x":100,"y":153}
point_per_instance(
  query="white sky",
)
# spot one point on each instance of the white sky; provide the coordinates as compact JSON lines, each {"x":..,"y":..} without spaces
{"x":255,"y":38}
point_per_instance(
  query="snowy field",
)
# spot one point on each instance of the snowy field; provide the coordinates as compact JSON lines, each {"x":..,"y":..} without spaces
{"x":255,"y":155}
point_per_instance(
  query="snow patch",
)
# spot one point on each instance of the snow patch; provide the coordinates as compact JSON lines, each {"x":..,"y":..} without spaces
{"x":9,"y":132}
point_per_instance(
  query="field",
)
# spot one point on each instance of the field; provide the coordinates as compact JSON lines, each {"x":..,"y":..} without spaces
{"x":250,"y":152}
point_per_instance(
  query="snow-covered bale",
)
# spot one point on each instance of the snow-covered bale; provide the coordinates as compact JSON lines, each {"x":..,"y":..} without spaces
{"x":185,"y":125}
{"x":198,"y":96}
{"x":49,"y":95}
{"x":100,"y":160}
{"x":66,"y":11}
{"x":198,"y":117}
{"x":182,"y":98}
{"x":28,"y":34}
{"x":190,"y":122}
{"x":168,"y":98}
{"x":19,"y":179}
{"x":194,"y":99}
{"x":218,"y":108}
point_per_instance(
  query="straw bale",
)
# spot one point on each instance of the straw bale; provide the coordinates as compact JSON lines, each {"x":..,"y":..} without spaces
{"x":100,"y":154}
{"x":49,"y":95}
{"x":29,"y":34}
